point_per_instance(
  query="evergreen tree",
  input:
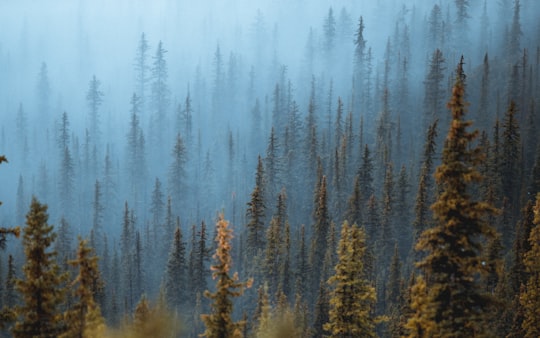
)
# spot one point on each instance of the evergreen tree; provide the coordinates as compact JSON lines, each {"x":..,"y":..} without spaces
{"x":178,"y":174}
{"x":530,"y":298}
{"x":510,"y":171}
{"x":450,"y":300}
{"x":352,"y":297}
{"x":40,"y":290}
{"x":160,"y":97}
{"x":141,"y":70}
{"x":219,"y":323}
{"x":321,"y":228}
{"x":434,"y":93}
{"x":175,"y":274}
{"x":94,"y":98}
{"x":424,"y":195}
{"x":255,"y":213}
{"x":84,"y":318}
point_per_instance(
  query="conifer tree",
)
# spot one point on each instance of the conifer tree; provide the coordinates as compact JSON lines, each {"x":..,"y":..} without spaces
{"x":84,"y":318}
{"x":178,"y":174}
{"x":141,"y":70}
{"x":449,"y":301}
{"x":40,"y":290}
{"x":160,"y":95}
{"x":530,"y":298}
{"x":175,"y":275}
{"x":94,"y":98}
{"x":433,"y":97}
{"x":425,"y":187}
{"x":321,"y":228}
{"x":256,"y":213}
{"x":352,"y":297}
{"x":219,"y":323}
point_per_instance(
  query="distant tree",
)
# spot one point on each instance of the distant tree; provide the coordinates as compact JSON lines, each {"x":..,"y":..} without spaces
{"x":424,"y":195}
{"x":329,"y":29}
{"x":21,"y":202}
{"x":175,"y":273}
{"x":365,"y":175}
{"x":10,"y":296}
{"x":434,"y":93}
{"x":178,"y":178}
{"x":62,"y":244}
{"x":352,"y":297}
{"x":450,"y":300}
{"x":255,"y":213}
{"x":39,"y":314}
{"x":157,"y":208}
{"x":359,"y":65}
{"x":219,"y":323}
{"x":435,"y":26}
{"x":510,"y":169}
{"x":199,"y":255}
{"x":21,"y":125}
{"x":97,"y":215}
{"x":94,"y":99}
{"x":321,"y":311}
{"x":515,"y":34}
{"x":43,"y":94}
{"x":355,"y":207}
{"x":142,"y":70}
{"x":160,"y":96}
{"x":302,"y":265}
{"x":319,"y":242}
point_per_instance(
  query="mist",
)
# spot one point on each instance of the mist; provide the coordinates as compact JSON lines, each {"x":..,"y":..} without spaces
{"x":97,"y":124}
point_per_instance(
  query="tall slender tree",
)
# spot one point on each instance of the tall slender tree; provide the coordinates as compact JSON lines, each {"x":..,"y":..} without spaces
{"x":448,"y":300}
{"x":219,"y":323}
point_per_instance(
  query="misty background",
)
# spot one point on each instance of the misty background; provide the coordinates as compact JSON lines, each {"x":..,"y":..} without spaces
{"x":217,"y":78}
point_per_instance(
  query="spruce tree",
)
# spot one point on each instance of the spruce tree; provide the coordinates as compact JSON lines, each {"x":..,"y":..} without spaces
{"x":352,"y":297}
{"x":449,"y":301}
{"x":84,"y":318}
{"x":219,"y":323}
{"x":40,"y":290}
{"x":175,"y":274}
{"x":530,"y":298}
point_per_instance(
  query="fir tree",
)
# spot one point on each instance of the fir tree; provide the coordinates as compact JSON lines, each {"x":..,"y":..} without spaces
{"x":175,"y":274}
{"x":256,"y":213}
{"x":219,"y":323}
{"x":450,"y":300}
{"x":530,"y":298}
{"x":40,"y":290}
{"x":84,"y":318}
{"x":352,"y":297}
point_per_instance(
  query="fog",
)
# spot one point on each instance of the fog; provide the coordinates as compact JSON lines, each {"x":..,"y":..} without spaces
{"x":227,"y":57}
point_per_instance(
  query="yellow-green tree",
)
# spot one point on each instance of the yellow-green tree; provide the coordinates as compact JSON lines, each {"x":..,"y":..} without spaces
{"x":40,"y":288}
{"x":449,"y":300}
{"x":84,"y":318}
{"x":530,"y":298}
{"x":352,"y":297}
{"x":219,"y":323}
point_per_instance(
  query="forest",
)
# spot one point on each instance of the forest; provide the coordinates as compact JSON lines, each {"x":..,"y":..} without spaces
{"x":270,"y":168}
